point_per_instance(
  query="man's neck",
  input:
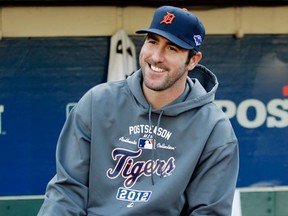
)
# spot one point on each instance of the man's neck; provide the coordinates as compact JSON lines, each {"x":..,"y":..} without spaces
{"x":159,"y":99}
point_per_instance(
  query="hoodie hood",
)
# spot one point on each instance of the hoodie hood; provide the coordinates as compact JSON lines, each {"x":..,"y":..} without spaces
{"x":203,"y":85}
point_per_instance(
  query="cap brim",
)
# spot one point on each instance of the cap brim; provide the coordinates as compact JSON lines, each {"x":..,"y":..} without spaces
{"x":168,"y":36}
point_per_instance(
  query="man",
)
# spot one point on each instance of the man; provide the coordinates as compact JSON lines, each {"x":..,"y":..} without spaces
{"x":154,"y":144}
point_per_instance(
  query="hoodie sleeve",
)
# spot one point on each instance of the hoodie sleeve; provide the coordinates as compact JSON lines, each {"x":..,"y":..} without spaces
{"x":67,"y":192}
{"x":211,"y":189}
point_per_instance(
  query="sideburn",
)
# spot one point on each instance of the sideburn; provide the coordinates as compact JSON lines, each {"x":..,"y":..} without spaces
{"x":191,"y":53}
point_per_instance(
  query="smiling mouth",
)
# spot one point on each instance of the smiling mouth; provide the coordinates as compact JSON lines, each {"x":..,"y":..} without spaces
{"x":156,"y":69}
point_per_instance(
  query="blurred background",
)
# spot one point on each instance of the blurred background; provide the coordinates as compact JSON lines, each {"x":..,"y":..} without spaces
{"x":53,"y":51}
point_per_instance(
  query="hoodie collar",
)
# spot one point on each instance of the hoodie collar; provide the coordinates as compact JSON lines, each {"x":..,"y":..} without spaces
{"x":202,"y":86}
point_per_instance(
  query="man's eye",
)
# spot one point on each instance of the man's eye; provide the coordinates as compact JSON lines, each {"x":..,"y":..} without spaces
{"x":173,"y":48}
{"x":152,"y":41}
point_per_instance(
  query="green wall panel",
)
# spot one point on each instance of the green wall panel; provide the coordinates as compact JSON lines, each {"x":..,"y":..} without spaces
{"x":22,"y":207}
{"x":281,"y":203}
{"x":264,"y":203}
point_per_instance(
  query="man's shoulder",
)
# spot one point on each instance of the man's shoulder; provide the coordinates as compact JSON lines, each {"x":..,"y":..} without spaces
{"x":108,"y":87}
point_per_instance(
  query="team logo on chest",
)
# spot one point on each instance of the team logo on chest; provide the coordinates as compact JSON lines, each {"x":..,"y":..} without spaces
{"x":131,"y":170}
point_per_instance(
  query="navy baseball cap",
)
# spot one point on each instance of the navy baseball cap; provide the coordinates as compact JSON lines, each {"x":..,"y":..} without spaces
{"x":178,"y":26}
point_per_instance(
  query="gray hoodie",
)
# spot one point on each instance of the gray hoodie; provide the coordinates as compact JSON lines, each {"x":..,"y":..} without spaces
{"x":118,"y":156}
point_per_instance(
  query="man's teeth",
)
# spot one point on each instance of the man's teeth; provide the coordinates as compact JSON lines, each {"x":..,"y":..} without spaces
{"x":156,"y":69}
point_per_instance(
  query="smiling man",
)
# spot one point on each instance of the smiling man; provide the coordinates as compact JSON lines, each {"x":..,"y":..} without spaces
{"x":164,"y":69}
{"x":154,"y":144}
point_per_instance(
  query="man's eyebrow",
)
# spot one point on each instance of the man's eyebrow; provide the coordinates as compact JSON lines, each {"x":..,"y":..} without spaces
{"x":153,"y":37}
{"x":173,"y":44}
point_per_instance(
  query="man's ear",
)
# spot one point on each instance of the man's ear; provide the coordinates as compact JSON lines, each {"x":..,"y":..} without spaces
{"x":194,"y":61}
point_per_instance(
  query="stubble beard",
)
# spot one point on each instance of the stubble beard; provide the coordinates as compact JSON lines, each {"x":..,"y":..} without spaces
{"x":164,"y":84}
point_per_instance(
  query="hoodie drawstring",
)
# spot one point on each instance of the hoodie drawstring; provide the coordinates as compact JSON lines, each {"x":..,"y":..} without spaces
{"x":155,"y":132}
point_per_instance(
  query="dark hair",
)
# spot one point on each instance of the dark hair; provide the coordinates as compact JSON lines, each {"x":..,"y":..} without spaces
{"x":191,"y":53}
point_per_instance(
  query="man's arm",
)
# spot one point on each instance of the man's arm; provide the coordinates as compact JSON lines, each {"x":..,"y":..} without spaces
{"x":67,"y":192}
{"x":212,"y":186}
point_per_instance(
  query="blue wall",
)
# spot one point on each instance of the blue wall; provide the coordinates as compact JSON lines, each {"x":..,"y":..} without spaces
{"x":39,"y":77}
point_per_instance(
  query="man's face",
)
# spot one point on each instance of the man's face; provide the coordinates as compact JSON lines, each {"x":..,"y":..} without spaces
{"x":163,"y":64}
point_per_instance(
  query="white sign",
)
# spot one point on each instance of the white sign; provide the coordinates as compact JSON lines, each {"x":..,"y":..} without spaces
{"x":274,"y":114}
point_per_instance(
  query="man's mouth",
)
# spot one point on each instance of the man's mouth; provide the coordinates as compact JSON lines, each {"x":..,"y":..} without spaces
{"x":157,"y":69}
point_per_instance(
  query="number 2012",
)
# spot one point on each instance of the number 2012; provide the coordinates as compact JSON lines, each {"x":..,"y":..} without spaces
{"x":133,"y":195}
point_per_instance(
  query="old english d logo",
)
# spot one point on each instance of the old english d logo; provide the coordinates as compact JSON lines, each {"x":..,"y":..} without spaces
{"x":168,"y":19}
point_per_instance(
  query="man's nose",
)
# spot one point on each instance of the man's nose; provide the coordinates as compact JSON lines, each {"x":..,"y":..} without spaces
{"x":158,"y":55}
